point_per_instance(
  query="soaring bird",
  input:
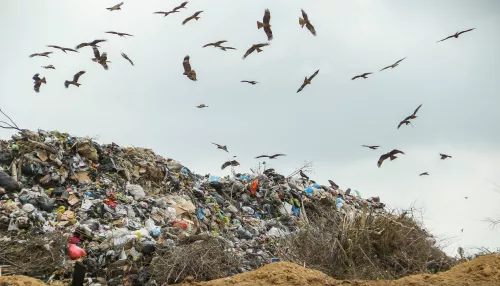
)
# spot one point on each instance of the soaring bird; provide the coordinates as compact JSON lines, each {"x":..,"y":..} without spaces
{"x":215,"y":44}
{"x":62,"y":48}
{"x":226,"y":48}
{"x":191,"y":74}
{"x":408,"y":118}
{"x":75,"y":80}
{"x":233,"y":163}
{"x":444,"y":156}
{"x":195,"y":16}
{"x":361,"y":75}
{"x":116,"y":7}
{"x":252,"y":82}
{"x":38,"y":82}
{"x":49,"y":67}
{"x":202,"y":106}
{"x":270,"y":157}
{"x":100,"y":59}
{"x":393,"y":65}
{"x":456,"y":35}
{"x":165,"y":14}
{"x":424,"y":174}
{"x":307,"y":81}
{"x":92,"y":44}
{"x":222,"y":147}
{"x":127,"y":58}
{"x":373,"y":147}
{"x":119,"y":34}
{"x":183,"y":5}
{"x":44,"y":54}
{"x":304,"y":176}
{"x":266,"y":25}
{"x":391,"y":155}
{"x":334,"y":186}
{"x":305,"y":21}
{"x":255,"y":47}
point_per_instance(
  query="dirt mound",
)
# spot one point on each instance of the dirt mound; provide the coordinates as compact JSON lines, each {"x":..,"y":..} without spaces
{"x":20,"y":281}
{"x":484,"y":270}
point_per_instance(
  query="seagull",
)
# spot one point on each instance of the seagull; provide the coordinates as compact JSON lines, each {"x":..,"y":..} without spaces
{"x":455,"y":35}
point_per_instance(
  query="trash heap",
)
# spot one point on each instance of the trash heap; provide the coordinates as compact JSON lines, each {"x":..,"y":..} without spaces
{"x":118,"y":206}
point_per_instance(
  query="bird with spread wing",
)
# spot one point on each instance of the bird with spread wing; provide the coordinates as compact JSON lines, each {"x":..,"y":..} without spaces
{"x":202,"y":106}
{"x":266,"y":24}
{"x":252,"y":82}
{"x":424,"y":174}
{"x":215,"y":44}
{"x":222,"y":147}
{"x":75,"y":80}
{"x":38,"y":82}
{"x":116,"y":7}
{"x":255,"y":47}
{"x":49,"y":67}
{"x":456,"y":35}
{"x":233,"y":163}
{"x":444,"y":156}
{"x":44,"y":54}
{"x":194,"y":16}
{"x":127,"y":58}
{"x":165,"y":14}
{"x":332,"y":183}
{"x":361,"y":75}
{"x":119,"y":34}
{"x":305,"y":21}
{"x":393,"y":65}
{"x":191,"y":74}
{"x":92,"y":44}
{"x":270,"y":156}
{"x":101,"y":59}
{"x":373,"y":147}
{"x":391,"y":155}
{"x":182,"y":6}
{"x":62,"y":48}
{"x":307,"y":81}
{"x":408,"y":118}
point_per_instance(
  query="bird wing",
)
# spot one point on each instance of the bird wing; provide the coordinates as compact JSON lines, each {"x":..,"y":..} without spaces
{"x":386,"y":67}
{"x":277,"y":155}
{"x":313,"y":75}
{"x":310,"y":27}
{"x":262,"y":156}
{"x":197,"y":13}
{"x":125,"y":34}
{"x":219,"y":42}
{"x":186,"y":64}
{"x":261,"y":45}
{"x":95,"y":42}
{"x":269,"y":33}
{"x":235,"y":163}
{"x":304,"y":15}
{"x":187,"y":20}
{"x":97,"y":55}
{"x":71,"y":50}
{"x":301,"y":87}
{"x":396,"y":151}
{"x":466,"y":31}
{"x":333,"y":184}
{"x":216,"y":144}
{"x":267,"y":17}
{"x":78,"y":75}
{"x":127,"y":58}
{"x":399,"y":61}
{"x":401,"y":123}
{"x":417,"y":109}
{"x":228,"y":163}
{"x":249,"y":51}
{"x":355,"y":77}
{"x":445,"y":39}
{"x":36,"y":77}
{"x":104,"y":64}
{"x":55,"y":47}
{"x":111,"y":32}
{"x":81,"y":45}
{"x":366,"y":73}
{"x":37,"y":85}
{"x":381,"y":160}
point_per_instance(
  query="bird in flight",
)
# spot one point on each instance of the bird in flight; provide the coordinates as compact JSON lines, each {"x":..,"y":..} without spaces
{"x":195,"y":16}
{"x":62,"y":49}
{"x":100,"y":59}
{"x":183,"y":5}
{"x":44,"y":54}
{"x":391,"y":155}
{"x":75,"y":80}
{"x":252,"y":82}
{"x":408,"y":118}
{"x":38,"y":82}
{"x":49,"y":67}
{"x":361,"y":75}
{"x":191,"y":74}
{"x":165,"y":14}
{"x":119,"y":34}
{"x":405,"y":122}
{"x":305,"y":21}
{"x":373,"y":147}
{"x":266,"y":25}
{"x":455,"y":35}
{"x":444,"y":156}
{"x":334,"y":186}
{"x":92,"y":44}
{"x":270,"y":157}
{"x":215,"y":44}
{"x":255,"y":47}
{"x":226,"y":48}
{"x":202,"y":106}
{"x":222,"y":147}
{"x":116,"y":7}
{"x":233,"y":163}
{"x":393,"y":65}
{"x":424,"y":174}
{"x":307,"y":81}
{"x":127,"y":58}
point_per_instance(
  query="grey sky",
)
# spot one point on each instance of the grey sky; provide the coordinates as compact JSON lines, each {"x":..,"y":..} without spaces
{"x":153,"y":105}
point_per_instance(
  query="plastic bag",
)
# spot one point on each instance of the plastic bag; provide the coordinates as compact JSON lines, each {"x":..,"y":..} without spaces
{"x":76,"y":252}
{"x":152,"y":228}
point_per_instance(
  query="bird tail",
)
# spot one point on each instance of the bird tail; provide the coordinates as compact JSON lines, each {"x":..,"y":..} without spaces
{"x":258,"y":50}
{"x":393,"y":157}
{"x":197,"y":18}
{"x":44,"y":80}
{"x":260,"y":25}
{"x":95,"y":59}
{"x":78,"y":84}
{"x":302,"y":22}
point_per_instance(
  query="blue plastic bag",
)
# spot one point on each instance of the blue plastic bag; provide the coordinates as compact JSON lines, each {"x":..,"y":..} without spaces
{"x":309,"y":190}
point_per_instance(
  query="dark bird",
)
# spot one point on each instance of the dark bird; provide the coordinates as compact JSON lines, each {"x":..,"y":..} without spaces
{"x":408,"y":118}
{"x":270,"y":157}
{"x":424,"y":174}
{"x":195,"y":16}
{"x":215,"y":44}
{"x":305,"y":21}
{"x":62,"y":49}
{"x":75,"y":80}
{"x":202,"y":105}
{"x":361,"y":75}
{"x":221,"y":147}
{"x":444,"y":156}
{"x":183,"y":5}
{"x":226,"y":48}
{"x":406,"y":122}
{"x":334,"y":186}
{"x":233,"y":163}
{"x":304,"y":176}
{"x":100,"y":59}
{"x":373,"y":147}
{"x":191,"y":74}
{"x":456,"y":35}
{"x":255,"y":47}
{"x":116,"y":7}
{"x":462,"y":230}
{"x":38,"y":82}
{"x":252,"y":82}
{"x":391,"y":155}
{"x":127,"y":58}
{"x":307,"y":81}
{"x":49,"y":67}
{"x":92,"y":44}
{"x":119,"y":34}
{"x":266,"y":25}
{"x":165,"y":14}
{"x":466,"y":197}
{"x":393,"y":65}
{"x":44,"y":54}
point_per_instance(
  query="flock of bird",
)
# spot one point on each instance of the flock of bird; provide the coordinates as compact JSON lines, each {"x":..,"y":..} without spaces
{"x":190,"y":73}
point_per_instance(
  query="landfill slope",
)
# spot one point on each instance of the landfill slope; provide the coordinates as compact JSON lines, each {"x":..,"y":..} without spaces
{"x":484,"y":270}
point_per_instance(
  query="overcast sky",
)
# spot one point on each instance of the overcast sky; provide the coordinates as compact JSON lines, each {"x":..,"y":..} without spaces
{"x":153,"y":105}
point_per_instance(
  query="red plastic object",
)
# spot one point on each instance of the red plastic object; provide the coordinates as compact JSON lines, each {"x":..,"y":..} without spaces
{"x":76,"y":252}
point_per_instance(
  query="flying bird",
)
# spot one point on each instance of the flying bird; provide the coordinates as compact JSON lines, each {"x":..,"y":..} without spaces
{"x":38,"y":82}
{"x":226,"y":48}
{"x":393,"y":65}
{"x":195,"y":16}
{"x":119,"y":34}
{"x":334,"y":186}
{"x":270,"y":157}
{"x":62,"y":49}
{"x":44,"y":54}
{"x":49,"y":67}
{"x":92,"y":44}
{"x":255,"y":47}
{"x":127,"y":58}
{"x":424,"y":174}
{"x":252,"y":82}
{"x":304,"y":176}
{"x":455,"y":35}
{"x":183,"y":5}
{"x":100,"y":59}
{"x":391,"y":155}
{"x":75,"y":80}
{"x":221,"y":147}
{"x":405,"y":122}
{"x":215,"y":44}
{"x":165,"y":14}
{"x":408,"y":118}
{"x":233,"y":163}
{"x":373,"y":147}
{"x":361,"y":75}
{"x":444,"y":156}
{"x":305,"y":21}
{"x":116,"y":7}
{"x":307,"y":81}
{"x":266,"y":25}
{"x":202,"y":106}
{"x":191,"y":74}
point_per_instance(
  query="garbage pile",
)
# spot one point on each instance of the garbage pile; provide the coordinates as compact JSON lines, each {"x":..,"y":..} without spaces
{"x":118,"y":207}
